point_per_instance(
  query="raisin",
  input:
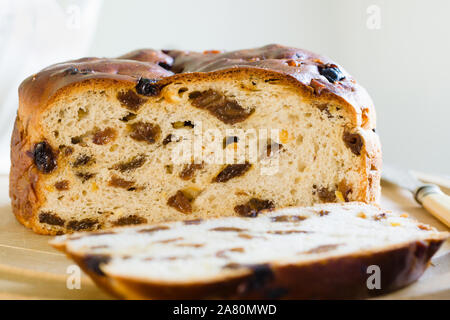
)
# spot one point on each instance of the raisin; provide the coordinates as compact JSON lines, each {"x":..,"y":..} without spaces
{"x":288,"y":218}
{"x":145,"y":131}
{"x":230,"y":140}
{"x":228,"y":229}
{"x":76,"y":140}
{"x":148,"y":87}
{"x":120,"y":183}
{"x":131,"y":219}
{"x":51,"y":219}
{"x":154,"y":229}
{"x":326,"y":195}
{"x":223,"y":108}
{"x":323,"y":248}
{"x":44,"y":157}
{"x":85,"y":224}
{"x":232,"y":171}
{"x":354,"y":142}
{"x":167,"y":139}
{"x":85,"y":176}
{"x":130,"y":100}
{"x":62,"y":185}
{"x":104,"y":136}
{"x":331,"y":72}
{"x":253,"y":207}
{"x":180,"y":202}
{"x":188,"y":171}
{"x":128,"y":117}
{"x":82,"y":160}
{"x":134,"y":163}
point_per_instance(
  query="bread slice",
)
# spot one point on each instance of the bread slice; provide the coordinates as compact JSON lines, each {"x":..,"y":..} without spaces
{"x":106,"y":142}
{"x":325,"y":251}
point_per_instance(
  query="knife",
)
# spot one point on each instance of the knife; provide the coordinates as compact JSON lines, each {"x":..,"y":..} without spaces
{"x":430,"y":196}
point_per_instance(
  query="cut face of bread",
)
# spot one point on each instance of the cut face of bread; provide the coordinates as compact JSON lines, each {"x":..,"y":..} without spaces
{"x":317,"y":252}
{"x":104,"y":151}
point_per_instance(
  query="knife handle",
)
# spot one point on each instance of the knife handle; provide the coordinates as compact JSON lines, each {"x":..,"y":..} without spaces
{"x":435,"y":202}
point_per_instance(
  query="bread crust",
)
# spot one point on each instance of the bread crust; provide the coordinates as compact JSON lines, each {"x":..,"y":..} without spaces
{"x":39,"y":91}
{"x":343,"y":277}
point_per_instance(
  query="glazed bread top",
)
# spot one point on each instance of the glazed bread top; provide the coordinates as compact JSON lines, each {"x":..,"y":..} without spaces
{"x":316,"y":75}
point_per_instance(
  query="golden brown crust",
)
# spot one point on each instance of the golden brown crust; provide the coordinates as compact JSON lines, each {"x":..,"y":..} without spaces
{"x":334,"y":278}
{"x":37,"y":92}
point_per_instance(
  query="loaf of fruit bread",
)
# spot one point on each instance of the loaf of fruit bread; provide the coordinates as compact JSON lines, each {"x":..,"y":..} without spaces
{"x":155,"y":136}
{"x":328,"y":251}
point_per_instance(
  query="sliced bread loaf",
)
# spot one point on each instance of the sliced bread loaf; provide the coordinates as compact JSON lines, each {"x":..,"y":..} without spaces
{"x":325,"y":251}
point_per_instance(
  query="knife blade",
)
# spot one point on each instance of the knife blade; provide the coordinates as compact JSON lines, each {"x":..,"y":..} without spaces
{"x":429,"y":196}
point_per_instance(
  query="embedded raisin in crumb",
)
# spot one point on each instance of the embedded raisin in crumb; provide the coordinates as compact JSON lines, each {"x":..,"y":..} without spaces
{"x":82,"y":160}
{"x":193,"y":221}
{"x":128,"y":117}
{"x":230,"y":140}
{"x":228,"y":229}
{"x":223,"y":108}
{"x":231,"y":171}
{"x":188,"y":171}
{"x":253,"y":207}
{"x":130,"y":100}
{"x":76,"y":140}
{"x":51,"y":219}
{"x":354,"y":142}
{"x":154,"y":229}
{"x":283,"y":232}
{"x":287,"y":218}
{"x":67,"y":151}
{"x":167,"y":139}
{"x":132,"y":164}
{"x":118,"y":182}
{"x":44,"y":157}
{"x":62,"y":185}
{"x":85,"y":224}
{"x":148,"y":87}
{"x":84,"y":176}
{"x":272,"y":147}
{"x":180,"y":202}
{"x":104,"y":136}
{"x":131,"y":219}
{"x":331,"y":72}
{"x":323,"y":213}
{"x":145,"y":131}
{"x":326,"y":195}
{"x":323,"y":248}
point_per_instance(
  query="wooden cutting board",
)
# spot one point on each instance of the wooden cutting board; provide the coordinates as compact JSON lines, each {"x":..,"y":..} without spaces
{"x":31,"y":269}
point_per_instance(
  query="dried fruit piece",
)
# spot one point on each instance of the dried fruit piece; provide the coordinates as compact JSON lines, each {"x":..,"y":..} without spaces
{"x":354,"y":142}
{"x":287,"y":218}
{"x":118,"y":182}
{"x":129,"y":220}
{"x":167,"y":139}
{"x":62,"y":185}
{"x":253,"y":207}
{"x":130,"y":100}
{"x":148,"y":87}
{"x":82,"y":160}
{"x":85,"y":224}
{"x":84,"y":176}
{"x":228,"y":229}
{"x":188,"y":171}
{"x":180,"y":202}
{"x":145,"y":131}
{"x":134,"y":163}
{"x":232,"y":171}
{"x":326,"y":195}
{"x":51,"y":219}
{"x":104,"y":136}
{"x":331,"y":72}
{"x":128,"y":117}
{"x":154,"y":229}
{"x":223,"y":108}
{"x":44,"y":157}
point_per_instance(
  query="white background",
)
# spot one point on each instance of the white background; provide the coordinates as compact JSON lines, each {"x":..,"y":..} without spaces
{"x":405,"y":64}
